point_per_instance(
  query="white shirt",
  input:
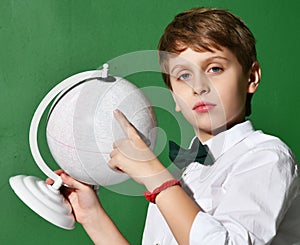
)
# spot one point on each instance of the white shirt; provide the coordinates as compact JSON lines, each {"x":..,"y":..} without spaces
{"x":244,"y":195}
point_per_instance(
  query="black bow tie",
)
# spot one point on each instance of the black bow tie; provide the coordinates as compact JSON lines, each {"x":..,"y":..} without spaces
{"x":197,"y":153}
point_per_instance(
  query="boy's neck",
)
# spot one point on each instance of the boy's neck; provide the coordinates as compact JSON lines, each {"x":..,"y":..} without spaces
{"x":206,"y":135}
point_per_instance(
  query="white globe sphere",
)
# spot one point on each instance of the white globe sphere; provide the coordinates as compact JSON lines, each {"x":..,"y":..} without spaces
{"x":81,"y":127}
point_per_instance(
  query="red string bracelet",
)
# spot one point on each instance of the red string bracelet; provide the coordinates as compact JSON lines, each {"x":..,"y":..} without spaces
{"x":151,"y":196}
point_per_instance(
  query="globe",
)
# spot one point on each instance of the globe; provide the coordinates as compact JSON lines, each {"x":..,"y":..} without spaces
{"x":80,"y":133}
{"x":81,"y":127}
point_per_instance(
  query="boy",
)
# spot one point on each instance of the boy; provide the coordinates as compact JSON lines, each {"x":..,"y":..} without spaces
{"x":247,"y":190}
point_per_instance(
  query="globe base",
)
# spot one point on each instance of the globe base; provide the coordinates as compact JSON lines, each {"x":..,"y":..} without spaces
{"x":43,"y":199}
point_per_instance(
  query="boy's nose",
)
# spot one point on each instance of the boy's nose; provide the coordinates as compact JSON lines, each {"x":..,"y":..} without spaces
{"x":201,"y":85}
{"x":200,"y":91}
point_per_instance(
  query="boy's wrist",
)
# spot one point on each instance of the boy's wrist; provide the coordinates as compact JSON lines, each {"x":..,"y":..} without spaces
{"x":92,"y":217}
{"x":151,"y":196}
{"x":101,"y":228}
{"x":154,"y":181}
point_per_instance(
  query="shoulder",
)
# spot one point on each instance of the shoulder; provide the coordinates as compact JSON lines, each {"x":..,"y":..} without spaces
{"x":268,"y":152}
{"x":259,"y":140}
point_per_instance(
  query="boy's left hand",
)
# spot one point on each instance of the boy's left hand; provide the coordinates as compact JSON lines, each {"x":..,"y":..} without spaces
{"x":133,"y":157}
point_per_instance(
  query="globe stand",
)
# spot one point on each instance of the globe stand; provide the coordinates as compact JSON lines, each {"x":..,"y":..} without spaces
{"x":46,"y":200}
{"x":43,"y":199}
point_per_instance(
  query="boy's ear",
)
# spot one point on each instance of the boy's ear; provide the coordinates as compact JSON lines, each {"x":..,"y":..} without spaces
{"x":177,"y":108}
{"x":254,"y":77}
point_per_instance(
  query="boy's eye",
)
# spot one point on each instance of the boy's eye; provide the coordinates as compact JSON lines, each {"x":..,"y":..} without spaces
{"x":215,"y":69}
{"x":184,"y":76}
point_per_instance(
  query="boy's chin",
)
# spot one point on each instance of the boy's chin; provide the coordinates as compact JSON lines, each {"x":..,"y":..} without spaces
{"x":210,"y":129}
{"x":214,"y":129}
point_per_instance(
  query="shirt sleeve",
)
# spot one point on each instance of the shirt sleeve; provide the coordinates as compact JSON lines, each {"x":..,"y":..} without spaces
{"x":256,"y":197}
{"x":212,"y":231}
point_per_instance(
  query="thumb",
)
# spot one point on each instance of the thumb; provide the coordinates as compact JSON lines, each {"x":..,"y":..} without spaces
{"x":68,"y":180}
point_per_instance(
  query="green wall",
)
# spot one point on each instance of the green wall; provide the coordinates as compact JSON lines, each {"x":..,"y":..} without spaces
{"x":43,"y":42}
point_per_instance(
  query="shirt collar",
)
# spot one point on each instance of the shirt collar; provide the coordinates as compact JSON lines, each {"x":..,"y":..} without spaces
{"x":225,"y":140}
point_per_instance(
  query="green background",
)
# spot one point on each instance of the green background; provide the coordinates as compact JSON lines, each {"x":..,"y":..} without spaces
{"x":43,"y":42}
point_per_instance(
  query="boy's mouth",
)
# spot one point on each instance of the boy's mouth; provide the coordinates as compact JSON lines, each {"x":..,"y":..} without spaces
{"x":203,"y":106}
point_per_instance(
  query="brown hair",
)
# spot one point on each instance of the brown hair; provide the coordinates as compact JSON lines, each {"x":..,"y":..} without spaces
{"x":204,"y":29}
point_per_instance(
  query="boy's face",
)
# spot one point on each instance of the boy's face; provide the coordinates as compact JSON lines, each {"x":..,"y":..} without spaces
{"x":210,"y":89}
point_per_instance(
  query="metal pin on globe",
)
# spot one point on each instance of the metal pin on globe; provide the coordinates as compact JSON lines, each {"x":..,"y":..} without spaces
{"x":80,"y":133}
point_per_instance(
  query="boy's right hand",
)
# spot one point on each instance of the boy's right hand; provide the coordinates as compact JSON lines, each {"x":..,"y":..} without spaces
{"x":89,"y":212}
{"x":82,"y":197}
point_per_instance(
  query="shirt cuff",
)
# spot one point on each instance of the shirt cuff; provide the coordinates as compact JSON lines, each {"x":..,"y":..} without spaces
{"x":207,"y":231}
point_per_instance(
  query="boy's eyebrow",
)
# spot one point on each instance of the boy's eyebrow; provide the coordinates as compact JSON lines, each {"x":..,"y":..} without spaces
{"x":216,"y":57}
{"x":179,"y":66}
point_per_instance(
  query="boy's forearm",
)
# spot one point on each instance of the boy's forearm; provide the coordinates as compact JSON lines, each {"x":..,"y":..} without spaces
{"x":102,"y":230}
{"x":179,"y":210}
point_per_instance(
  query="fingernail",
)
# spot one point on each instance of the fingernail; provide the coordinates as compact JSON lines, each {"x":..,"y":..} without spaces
{"x":116,"y":111}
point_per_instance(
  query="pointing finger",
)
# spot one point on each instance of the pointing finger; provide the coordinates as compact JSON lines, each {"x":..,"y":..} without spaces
{"x":129,"y":129}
